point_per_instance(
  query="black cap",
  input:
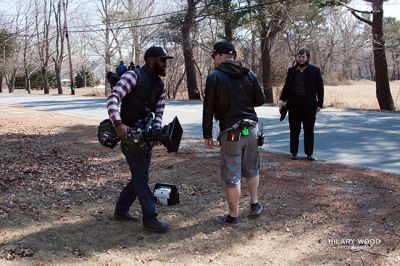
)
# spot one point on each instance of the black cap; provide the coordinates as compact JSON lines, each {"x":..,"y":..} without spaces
{"x":224,"y":47}
{"x":158,"y":52}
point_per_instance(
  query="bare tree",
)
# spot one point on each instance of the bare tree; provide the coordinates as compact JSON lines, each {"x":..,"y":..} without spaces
{"x":104,"y":44}
{"x":383,"y":93}
{"x":12,"y":64}
{"x":30,"y":65}
{"x":271,"y":19}
{"x":71,"y":69}
{"x":138,"y":36}
{"x":230,"y":13}
{"x":42,"y":21}
{"x":187,"y":46}
{"x":8,"y":41}
{"x":60,"y":35}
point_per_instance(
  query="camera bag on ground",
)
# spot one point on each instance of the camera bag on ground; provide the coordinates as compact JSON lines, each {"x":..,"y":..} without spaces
{"x":166,"y":194}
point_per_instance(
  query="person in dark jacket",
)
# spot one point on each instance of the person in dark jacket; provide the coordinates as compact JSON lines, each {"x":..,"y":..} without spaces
{"x":138,"y":91}
{"x":131,"y":66}
{"x":121,"y":69}
{"x":303,"y":96}
{"x":232,"y":91}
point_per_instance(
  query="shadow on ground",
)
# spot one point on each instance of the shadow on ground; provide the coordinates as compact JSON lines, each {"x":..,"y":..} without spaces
{"x":58,"y":191}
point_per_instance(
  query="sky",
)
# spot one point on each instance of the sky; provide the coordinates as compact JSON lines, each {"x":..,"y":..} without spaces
{"x":391,"y":8}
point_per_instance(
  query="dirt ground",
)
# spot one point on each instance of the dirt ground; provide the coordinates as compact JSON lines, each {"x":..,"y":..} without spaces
{"x":58,"y":189}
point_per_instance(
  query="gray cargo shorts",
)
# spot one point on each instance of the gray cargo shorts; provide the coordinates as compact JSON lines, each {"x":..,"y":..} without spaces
{"x":240,"y":158}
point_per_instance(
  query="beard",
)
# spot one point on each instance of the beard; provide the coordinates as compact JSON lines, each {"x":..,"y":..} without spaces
{"x":159,"y":70}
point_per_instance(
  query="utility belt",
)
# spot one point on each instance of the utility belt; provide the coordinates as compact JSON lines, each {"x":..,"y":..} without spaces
{"x":241,"y":128}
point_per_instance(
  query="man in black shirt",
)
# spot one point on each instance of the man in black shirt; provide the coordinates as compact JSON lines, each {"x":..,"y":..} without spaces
{"x":232,"y":91}
{"x":303,"y":96}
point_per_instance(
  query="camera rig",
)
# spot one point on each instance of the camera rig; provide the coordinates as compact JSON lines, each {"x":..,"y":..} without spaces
{"x":142,"y":136}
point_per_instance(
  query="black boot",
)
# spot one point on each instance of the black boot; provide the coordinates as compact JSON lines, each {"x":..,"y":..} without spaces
{"x":156,"y":226}
{"x":125,"y":217}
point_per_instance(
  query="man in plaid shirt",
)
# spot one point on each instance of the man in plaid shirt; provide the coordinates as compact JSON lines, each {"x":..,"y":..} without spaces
{"x":138,"y":91}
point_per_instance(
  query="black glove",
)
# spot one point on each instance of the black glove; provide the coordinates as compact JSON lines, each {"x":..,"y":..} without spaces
{"x":156,"y":131}
{"x":260,"y":139}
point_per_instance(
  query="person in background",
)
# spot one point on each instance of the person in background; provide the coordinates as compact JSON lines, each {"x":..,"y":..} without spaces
{"x":303,"y":96}
{"x":131,"y":66}
{"x":121,"y":69}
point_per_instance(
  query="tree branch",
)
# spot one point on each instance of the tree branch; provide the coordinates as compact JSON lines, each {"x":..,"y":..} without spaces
{"x":355,"y":10}
{"x":361,"y":18}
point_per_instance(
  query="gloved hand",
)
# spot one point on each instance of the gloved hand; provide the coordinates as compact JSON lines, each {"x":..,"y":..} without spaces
{"x":156,"y":131}
{"x":281,"y":104}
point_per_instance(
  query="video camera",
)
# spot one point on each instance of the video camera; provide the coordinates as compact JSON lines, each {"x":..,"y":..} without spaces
{"x":142,"y":137}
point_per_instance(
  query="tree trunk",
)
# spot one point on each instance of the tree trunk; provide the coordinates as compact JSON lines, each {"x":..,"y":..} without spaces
{"x":178,"y":84}
{"x":45,"y":81}
{"x":60,"y":28}
{"x":383,"y":93}
{"x":3,"y":71}
{"x":227,"y":22}
{"x":27,"y":84}
{"x":253,"y":51}
{"x":107,"y":57}
{"x":43,"y":36}
{"x":58,"y":80}
{"x":395,"y":70}
{"x":12,"y":83}
{"x":371,"y":69}
{"x":85,"y":74}
{"x":190,"y":69}
{"x":228,"y":31}
{"x":268,"y":35}
{"x":71,"y":70}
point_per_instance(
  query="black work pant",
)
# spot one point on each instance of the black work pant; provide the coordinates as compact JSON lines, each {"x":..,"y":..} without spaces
{"x":138,"y":187}
{"x":301,"y":113}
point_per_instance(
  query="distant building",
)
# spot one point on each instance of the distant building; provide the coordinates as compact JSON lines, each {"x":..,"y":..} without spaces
{"x":65,"y":83}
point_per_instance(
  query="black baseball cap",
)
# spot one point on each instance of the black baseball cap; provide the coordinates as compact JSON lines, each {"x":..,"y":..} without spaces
{"x":224,"y":47}
{"x":156,"y":51}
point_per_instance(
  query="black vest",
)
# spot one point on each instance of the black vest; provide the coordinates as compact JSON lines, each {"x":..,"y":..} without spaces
{"x":145,"y":94}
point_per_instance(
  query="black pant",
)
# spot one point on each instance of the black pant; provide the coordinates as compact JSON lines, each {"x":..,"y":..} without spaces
{"x":301,"y":112}
{"x":138,"y":186}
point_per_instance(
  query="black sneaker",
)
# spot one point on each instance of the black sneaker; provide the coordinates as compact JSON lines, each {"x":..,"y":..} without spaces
{"x":310,"y":158}
{"x":228,"y":220}
{"x":125,"y":217}
{"x":256,"y":209}
{"x":156,"y":226}
{"x":294,"y":156}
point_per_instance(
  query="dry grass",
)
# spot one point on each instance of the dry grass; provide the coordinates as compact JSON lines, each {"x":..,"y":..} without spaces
{"x":358,"y":95}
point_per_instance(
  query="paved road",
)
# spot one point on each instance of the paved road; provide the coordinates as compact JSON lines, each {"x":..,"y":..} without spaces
{"x":358,"y":138}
